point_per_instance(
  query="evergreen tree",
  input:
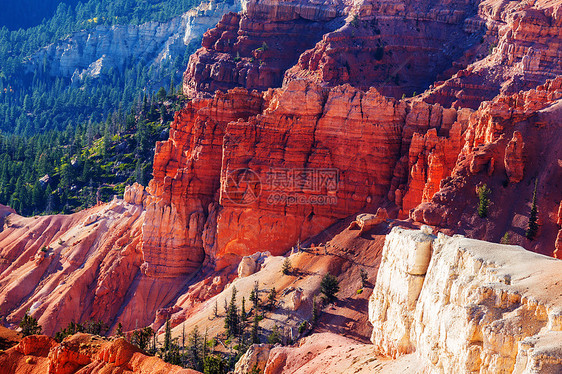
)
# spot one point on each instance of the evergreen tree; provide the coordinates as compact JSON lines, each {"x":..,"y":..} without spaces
{"x":195,"y":349}
{"x":254,"y":296}
{"x":315,"y":311}
{"x":533,"y":227}
{"x":287,"y":268}
{"x":29,"y":325}
{"x":231,"y":321}
{"x":271,"y":298}
{"x":255,"y":329}
{"x":329,"y":287}
{"x":243,"y":315}
{"x":167,"y":337}
{"x":483,"y":200}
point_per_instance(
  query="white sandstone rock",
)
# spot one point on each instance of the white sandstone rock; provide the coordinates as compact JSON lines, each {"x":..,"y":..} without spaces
{"x":480,"y":308}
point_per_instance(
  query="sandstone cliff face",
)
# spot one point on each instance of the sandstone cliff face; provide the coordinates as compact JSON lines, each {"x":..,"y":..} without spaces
{"x":523,"y":42}
{"x":253,"y":49}
{"x":397,"y":47}
{"x":93,"y":53}
{"x":509,"y":143}
{"x":221,"y":150}
{"x":186,"y":182}
{"x":467,"y":306}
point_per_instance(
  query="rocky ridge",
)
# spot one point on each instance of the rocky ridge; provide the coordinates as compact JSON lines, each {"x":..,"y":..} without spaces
{"x":253,"y":48}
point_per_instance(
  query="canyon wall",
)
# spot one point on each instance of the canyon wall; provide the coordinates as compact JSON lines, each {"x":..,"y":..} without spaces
{"x":467,"y":306}
{"x":253,"y":48}
{"x":520,"y":50}
{"x":257,"y":169}
{"x":246,"y":172}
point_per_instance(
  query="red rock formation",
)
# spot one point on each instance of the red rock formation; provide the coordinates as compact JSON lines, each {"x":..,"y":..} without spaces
{"x":397,"y":47}
{"x":514,"y":159}
{"x":70,"y":268}
{"x":529,"y":117}
{"x":254,"y":48}
{"x":186,"y":181}
{"x":522,"y":46}
{"x":82,"y":353}
{"x":303,"y":128}
{"x":233,"y":178}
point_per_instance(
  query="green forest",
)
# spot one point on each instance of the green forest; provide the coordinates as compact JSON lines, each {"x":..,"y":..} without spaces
{"x":90,"y":139}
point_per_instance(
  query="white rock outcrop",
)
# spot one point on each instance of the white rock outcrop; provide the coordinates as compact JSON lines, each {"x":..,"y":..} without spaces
{"x":94,"y":52}
{"x":468,"y":306}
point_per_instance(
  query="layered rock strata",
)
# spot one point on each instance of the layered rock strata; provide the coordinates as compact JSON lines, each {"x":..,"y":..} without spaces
{"x":466,"y":305}
{"x":397,"y":47}
{"x":510,"y":143}
{"x":184,"y":191}
{"x":253,"y":48}
{"x":523,"y":51}
{"x":247,"y":172}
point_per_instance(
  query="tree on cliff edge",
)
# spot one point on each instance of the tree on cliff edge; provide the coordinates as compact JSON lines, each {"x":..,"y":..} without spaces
{"x":29,"y":326}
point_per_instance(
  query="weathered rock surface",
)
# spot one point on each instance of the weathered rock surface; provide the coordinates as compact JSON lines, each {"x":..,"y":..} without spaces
{"x":477,"y":306}
{"x":93,"y":53}
{"x":82,"y":353}
{"x":255,"y":357}
{"x":71,"y":268}
{"x":509,"y":143}
{"x":253,"y":49}
{"x":521,"y":50}
{"x":186,"y":182}
{"x":399,"y":48}
{"x":366,"y":221}
{"x":325,"y":353}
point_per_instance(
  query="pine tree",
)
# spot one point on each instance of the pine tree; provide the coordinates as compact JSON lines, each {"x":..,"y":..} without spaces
{"x":232,"y":321}
{"x":29,"y":325}
{"x":243,"y":315}
{"x":167,"y":337}
{"x":254,"y":296}
{"x":255,"y":329}
{"x":329,"y":287}
{"x":533,"y":226}
{"x":315,"y":311}
{"x":483,"y":200}
{"x":287,"y":268}
{"x":271,"y":298}
{"x":194,"y":349}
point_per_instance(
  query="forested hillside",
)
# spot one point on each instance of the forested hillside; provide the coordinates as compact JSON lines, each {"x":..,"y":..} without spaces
{"x":90,"y":136}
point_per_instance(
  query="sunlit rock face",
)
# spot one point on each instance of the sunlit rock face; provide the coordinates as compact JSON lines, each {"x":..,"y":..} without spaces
{"x":466,"y":305}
